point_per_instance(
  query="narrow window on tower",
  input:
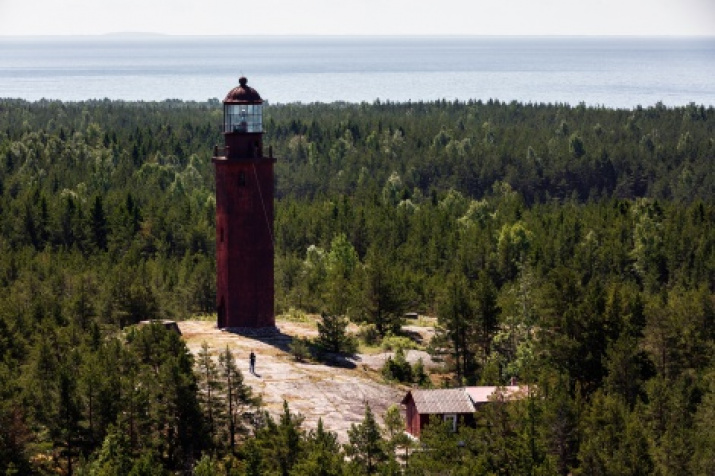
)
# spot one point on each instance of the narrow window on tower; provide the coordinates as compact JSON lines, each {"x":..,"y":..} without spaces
{"x":242,"y":179}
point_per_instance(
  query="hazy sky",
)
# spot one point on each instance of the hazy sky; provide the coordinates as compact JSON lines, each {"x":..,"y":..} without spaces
{"x":359,"y":17}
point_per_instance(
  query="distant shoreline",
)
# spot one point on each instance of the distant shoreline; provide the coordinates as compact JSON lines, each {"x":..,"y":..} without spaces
{"x":217,"y":103}
{"x":150,"y":35}
{"x":611,"y":71}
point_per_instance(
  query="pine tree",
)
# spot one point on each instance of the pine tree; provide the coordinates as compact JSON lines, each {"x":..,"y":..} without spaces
{"x":613,"y":439}
{"x":238,"y":394}
{"x":456,"y":316}
{"x":282,"y":444}
{"x":448,"y":452}
{"x":398,"y":368}
{"x":487,"y":313}
{"x":703,"y":460}
{"x":395,"y":432}
{"x":98,"y":224}
{"x":382,"y":299}
{"x":253,"y":458}
{"x":114,"y":457}
{"x":323,"y":455}
{"x":289,"y":439}
{"x":15,"y":435}
{"x":210,"y":387}
{"x":560,"y":428}
{"x":147,"y":464}
{"x":161,"y":407}
{"x":333,"y":335}
{"x":90,"y":385}
{"x":206,"y":466}
{"x":341,"y":263}
{"x":366,"y":447}
{"x":419,"y":375}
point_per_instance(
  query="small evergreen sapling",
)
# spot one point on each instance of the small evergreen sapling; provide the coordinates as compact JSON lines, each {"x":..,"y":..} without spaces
{"x":397,"y":368}
{"x":333,"y":334}
{"x":299,"y":349}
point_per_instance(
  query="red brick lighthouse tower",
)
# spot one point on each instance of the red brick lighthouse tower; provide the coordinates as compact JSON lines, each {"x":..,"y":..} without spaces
{"x":244,"y":216}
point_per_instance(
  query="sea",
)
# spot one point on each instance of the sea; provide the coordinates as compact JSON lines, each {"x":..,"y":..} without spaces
{"x":614,"y":72}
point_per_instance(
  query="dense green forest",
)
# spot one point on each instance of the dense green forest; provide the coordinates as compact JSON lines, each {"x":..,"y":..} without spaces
{"x":570,"y":247}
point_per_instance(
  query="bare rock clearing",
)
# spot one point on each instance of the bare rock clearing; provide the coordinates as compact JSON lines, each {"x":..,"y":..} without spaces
{"x":336,"y":393}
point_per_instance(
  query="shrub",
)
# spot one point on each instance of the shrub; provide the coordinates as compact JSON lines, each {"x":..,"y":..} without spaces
{"x":333,"y":335}
{"x":397,"y":368}
{"x":368,"y":334}
{"x":299,"y":348}
{"x":419,"y":375}
{"x":295,"y":315}
{"x":392,"y":342}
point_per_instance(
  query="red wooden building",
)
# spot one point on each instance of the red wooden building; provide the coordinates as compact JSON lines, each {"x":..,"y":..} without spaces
{"x":244,"y":216}
{"x":445,"y":404}
{"x":456,"y":406}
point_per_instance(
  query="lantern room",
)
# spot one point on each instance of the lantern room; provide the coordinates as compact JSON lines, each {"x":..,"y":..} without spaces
{"x":243,"y":118}
{"x":243,"y":109}
{"x":243,"y":122}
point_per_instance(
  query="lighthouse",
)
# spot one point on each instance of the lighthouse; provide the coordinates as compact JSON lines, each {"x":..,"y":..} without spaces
{"x":244,"y":217}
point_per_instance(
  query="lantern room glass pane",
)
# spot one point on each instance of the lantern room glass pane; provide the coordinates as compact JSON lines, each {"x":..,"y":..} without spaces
{"x":243,"y":118}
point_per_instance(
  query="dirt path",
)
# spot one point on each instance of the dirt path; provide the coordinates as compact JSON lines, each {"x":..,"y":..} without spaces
{"x":335,"y":394}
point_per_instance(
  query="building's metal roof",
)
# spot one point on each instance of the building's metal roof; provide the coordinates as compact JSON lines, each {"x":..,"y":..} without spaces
{"x":459,"y":400}
{"x":243,"y":93}
{"x":439,"y":401}
{"x":486,"y":394}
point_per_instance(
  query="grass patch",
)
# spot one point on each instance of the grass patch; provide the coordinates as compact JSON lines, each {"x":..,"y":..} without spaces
{"x":295,"y":315}
{"x":207,"y":317}
{"x":392,"y":342}
{"x":424,"y":321}
{"x":367,"y":349}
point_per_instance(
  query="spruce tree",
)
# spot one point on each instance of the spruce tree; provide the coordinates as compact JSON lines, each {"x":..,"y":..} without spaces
{"x":98,"y":224}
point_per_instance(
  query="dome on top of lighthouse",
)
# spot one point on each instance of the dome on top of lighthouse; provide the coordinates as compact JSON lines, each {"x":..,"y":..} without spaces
{"x":243,"y":93}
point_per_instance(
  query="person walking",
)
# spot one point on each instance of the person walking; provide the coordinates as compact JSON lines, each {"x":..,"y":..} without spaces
{"x":252,"y":361}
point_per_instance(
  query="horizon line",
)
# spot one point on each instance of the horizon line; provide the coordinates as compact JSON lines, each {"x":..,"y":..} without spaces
{"x":145,"y":35}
